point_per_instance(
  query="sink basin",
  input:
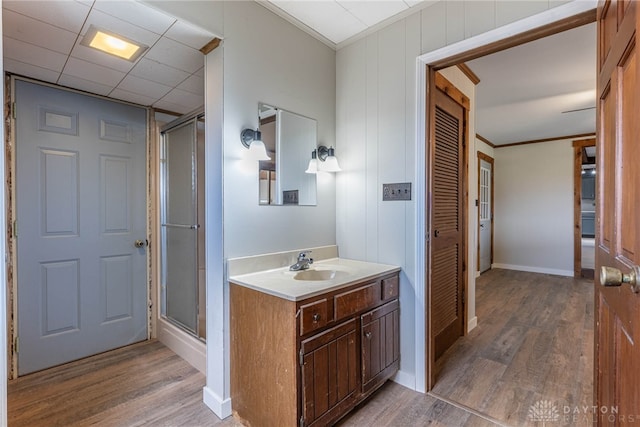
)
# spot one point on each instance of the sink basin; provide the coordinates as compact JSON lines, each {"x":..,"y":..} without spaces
{"x":315,"y":275}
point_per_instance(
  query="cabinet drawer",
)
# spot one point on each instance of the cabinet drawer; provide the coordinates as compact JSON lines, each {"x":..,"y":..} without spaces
{"x":313,"y":316}
{"x":351,"y":302}
{"x":390,"y":288}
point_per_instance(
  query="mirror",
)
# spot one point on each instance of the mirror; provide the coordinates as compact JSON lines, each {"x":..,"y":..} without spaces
{"x":289,"y":138}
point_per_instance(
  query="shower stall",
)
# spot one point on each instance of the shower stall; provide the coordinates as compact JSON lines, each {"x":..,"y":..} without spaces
{"x":182,"y":224}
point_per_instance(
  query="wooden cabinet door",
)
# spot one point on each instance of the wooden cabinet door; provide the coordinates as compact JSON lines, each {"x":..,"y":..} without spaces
{"x":329,"y":373}
{"x":617,"y":331}
{"x":380,"y":345}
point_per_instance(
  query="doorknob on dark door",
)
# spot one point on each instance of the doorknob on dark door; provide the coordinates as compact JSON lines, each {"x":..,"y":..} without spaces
{"x":610,"y":276}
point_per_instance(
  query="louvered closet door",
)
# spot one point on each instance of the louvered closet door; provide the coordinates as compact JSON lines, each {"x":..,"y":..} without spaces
{"x":447,"y":223}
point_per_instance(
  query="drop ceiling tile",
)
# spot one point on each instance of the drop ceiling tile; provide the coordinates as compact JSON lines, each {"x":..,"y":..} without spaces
{"x":68,"y":15}
{"x":194,"y":84}
{"x":372,"y":12}
{"x":100,"y":58}
{"x":107,"y":22}
{"x":82,"y":84}
{"x":93,"y":72}
{"x":144,"y":87}
{"x":36,"y":32}
{"x":123,"y":95}
{"x":328,"y":18}
{"x":190,"y":35}
{"x":159,"y":73}
{"x":32,"y":54}
{"x":176,"y":55}
{"x":188,"y":100}
{"x":176,"y":108}
{"x":30,"y":70}
{"x":136,"y":13}
{"x":412,"y":3}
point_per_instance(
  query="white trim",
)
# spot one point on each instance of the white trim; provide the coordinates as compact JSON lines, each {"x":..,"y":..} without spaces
{"x":3,"y":271}
{"x":184,"y":345}
{"x":531,"y":269}
{"x":420,"y":182}
{"x":555,"y":14}
{"x":405,"y":379}
{"x":217,"y":392}
{"x":542,"y":19}
{"x":221,"y":407}
{"x":471,"y":325}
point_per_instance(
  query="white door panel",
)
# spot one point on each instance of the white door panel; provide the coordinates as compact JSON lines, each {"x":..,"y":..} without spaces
{"x":81,"y":204}
{"x":485,"y":214}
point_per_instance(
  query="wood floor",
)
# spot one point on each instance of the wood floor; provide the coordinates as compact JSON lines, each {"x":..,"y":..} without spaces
{"x":142,"y":384}
{"x":533,"y":342}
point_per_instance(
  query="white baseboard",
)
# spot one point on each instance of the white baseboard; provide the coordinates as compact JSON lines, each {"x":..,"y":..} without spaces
{"x":472,"y":323}
{"x":220,"y":407}
{"x":405,"y":379}
{"x":555,"y":271}
{"x":184,"y":345}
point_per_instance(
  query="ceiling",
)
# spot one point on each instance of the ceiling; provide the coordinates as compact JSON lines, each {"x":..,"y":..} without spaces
{"x":334,"y":21}
{"x":525,"y":92}
{"x":41,"y":39}
{"x":521,"y":96}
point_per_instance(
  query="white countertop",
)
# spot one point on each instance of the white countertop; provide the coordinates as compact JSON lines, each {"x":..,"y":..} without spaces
{"x":280,"y":282}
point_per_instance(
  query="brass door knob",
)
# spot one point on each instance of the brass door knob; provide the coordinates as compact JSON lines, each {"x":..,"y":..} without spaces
{"x":610,"y":276}
{"x":139,"y":243}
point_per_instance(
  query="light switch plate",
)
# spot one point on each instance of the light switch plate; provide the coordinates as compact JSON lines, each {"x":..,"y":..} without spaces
{"x":399,"y":191}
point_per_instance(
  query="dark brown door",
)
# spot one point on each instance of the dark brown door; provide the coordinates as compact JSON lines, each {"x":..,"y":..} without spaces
{"x":447,"y":217}
{"x":617,"y":333}
{"x":380,"y":345}
{"x":329,"y":373}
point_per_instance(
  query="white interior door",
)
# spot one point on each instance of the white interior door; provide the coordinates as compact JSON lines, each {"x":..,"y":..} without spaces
{"x":80,"y":207}
{"x":485,"y":214}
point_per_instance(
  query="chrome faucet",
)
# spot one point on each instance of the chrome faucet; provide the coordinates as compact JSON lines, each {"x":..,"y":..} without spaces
{"x":303,"y":262}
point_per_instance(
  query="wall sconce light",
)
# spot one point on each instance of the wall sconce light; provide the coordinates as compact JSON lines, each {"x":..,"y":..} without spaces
{"x":313,"y":163}
{"x":252,"y":140}
{"x":327,"y":156}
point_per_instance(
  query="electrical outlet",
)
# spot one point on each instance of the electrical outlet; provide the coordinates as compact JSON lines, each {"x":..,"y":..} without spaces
{"x":399,"y":191}
{"x":290,"y":197}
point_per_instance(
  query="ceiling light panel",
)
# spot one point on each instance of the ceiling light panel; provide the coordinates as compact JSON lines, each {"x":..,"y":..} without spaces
{"x":113,"y":44}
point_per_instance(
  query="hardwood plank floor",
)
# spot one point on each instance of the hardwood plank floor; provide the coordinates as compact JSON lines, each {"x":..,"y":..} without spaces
{"x":142,"y":384}
{"x":534,"y":341}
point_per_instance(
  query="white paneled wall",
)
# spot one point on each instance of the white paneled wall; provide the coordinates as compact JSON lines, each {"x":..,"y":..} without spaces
{"x":376,"y":132}
{"x":534,"y":207}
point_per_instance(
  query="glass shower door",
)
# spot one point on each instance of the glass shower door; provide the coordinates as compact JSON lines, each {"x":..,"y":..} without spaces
{"x":179,"y":225}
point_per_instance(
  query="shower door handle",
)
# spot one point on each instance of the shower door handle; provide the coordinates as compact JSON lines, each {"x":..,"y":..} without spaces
{"x":191,"y":226}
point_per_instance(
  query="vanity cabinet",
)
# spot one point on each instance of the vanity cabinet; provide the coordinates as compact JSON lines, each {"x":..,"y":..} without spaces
{"x":309,"y":362}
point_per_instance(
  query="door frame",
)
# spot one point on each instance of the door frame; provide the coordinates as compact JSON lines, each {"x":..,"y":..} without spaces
{"x":491,"y":161}
{"x":552,"y":21}
{"x":578,"y":146}
{"x":11,"y":244}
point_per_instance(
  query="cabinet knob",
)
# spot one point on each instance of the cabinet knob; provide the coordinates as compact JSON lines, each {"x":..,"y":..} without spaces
{"x":368,"y":335}
{"x":316,"y":317}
